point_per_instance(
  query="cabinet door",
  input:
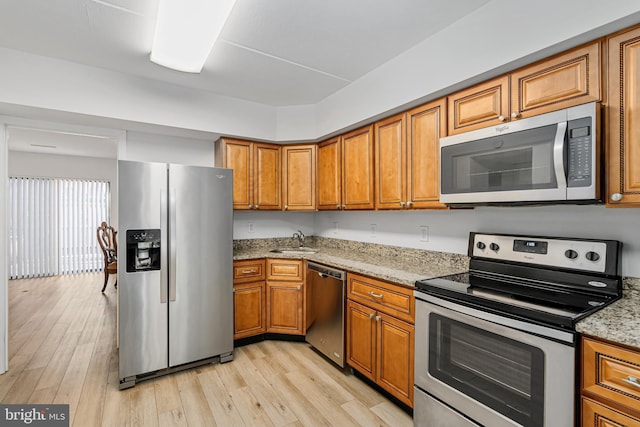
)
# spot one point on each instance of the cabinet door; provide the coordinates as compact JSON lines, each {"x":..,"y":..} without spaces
{"x":284,"y":270}
{"x":357,"y":160}
{"x":361,"y":339}
{"x":623,"y":139}
{"x":569,"y":79}
{"x":248,"y":309}
{"x":391,"y":163}
{"x":483,"y":105}
{"x":267,"y":177}
{"x":330,"y":174}
{"x":425,"y":126}
{"x":395,"y":357}
{"x":238,"y":155}
{"x":299,"y":177}
{"x":597,"y":415}
{"x":285,"y":308}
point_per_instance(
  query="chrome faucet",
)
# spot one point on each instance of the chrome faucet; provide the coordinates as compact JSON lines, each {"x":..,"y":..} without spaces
{"x":300,"y":236}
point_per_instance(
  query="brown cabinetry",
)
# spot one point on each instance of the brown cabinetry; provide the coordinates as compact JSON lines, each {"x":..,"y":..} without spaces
{"x":299,"y":177}
{"x":285,"y":296}
{"x":610,"y":385}
{"x":249,"y":309}
{"x":380,"y":334}
{"x":256,"y":172}
{"x":568,"y":79}
{"x":623,"y":115}
{"x":345,"y":171}
{"x":407,"y":158}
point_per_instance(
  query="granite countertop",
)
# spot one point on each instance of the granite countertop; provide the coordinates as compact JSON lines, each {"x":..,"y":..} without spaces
{"x":399,"y":265}
{"x":620,"y":321}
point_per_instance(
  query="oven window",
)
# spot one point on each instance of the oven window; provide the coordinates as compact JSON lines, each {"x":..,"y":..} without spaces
{"x":518,"y":161}
{"x":501,"y":373}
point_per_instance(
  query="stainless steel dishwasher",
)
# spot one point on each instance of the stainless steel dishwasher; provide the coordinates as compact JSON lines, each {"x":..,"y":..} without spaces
{"x":325,"y":310}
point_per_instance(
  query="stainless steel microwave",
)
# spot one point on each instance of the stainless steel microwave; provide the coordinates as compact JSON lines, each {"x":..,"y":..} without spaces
{"x":550,"y":158}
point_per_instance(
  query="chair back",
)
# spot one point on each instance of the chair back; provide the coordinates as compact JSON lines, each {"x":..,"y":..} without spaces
{"x":108,"y":242}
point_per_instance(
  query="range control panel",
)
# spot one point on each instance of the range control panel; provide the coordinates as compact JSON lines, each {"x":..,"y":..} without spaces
{"x":585,"y":255}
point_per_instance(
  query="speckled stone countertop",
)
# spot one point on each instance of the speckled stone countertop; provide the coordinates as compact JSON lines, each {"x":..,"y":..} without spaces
{"x":395,"y":264}
{"x":620,"y":321}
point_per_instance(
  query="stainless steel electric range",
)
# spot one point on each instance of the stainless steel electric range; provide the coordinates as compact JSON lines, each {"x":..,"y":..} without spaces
{"x":496,"y":346}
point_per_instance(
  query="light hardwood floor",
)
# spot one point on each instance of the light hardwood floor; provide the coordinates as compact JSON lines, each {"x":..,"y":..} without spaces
{"x":62,"y":349}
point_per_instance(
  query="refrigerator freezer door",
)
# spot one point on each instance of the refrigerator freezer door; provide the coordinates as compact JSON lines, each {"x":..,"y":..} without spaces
{"x":201,"y":263}
{"x":143,"y":321}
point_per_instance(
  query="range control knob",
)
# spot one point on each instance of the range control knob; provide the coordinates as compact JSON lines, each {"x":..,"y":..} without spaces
{"x":592,"y":256}
{"x":480,"y":245}
{"x":571,"y":254}
{"x":494,"y":247}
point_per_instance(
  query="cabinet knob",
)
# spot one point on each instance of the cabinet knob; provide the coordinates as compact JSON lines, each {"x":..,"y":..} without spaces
{"x":344,"y":207}
{"x":257,"y":207}
{"x":378,"y":318}
{"x":402,"y":204}
{"x":616,"y":197}
{"x":286,"y":207}
{"x":250,"y":206}
{"x":515,"y":115}
{"x":409,"y":203}
{"x":502,"y":118}
{"x":370,"y":315}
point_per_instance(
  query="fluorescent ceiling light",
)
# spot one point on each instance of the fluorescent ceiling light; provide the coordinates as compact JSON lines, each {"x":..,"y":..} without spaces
{"x":186,"y":31}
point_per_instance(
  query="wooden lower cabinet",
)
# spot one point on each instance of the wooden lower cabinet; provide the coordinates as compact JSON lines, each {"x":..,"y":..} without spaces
{"x":249,"y":314}
{"x":595,"y":414}
{"x":285,"y":308}
{"x":610,"y":385}
{"x":381,"y":348}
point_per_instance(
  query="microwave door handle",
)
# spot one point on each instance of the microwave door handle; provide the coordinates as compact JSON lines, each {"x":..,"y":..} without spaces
{"x":558,"y":155}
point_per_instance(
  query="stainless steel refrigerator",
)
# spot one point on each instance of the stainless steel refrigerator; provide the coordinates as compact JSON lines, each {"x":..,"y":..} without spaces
{"x":175,"y":268}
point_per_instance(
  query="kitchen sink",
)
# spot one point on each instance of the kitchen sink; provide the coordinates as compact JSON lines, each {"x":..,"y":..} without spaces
{"x":300,"y":250}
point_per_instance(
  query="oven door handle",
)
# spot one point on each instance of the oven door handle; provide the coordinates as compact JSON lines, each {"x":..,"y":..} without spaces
{"x":559,"y":155}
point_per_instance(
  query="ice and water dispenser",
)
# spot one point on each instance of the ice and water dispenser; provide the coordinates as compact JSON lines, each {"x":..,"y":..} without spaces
{"x":143,"y":250}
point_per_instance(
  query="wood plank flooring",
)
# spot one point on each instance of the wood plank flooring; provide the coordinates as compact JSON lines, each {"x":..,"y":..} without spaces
{"x":62,"y":349}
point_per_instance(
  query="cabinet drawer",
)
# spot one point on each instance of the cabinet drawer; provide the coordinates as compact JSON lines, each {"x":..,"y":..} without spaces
{"x":386,"y":297}
{"x":597,"y":415}
{"x":248,"y":271}
{"x":611,"y":372}
{"x":284,"y":270}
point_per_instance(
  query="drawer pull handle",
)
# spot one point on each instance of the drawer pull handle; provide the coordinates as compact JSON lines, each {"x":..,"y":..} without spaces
{"x":248,"y":271}
{"x":373,"y":294}
{"x":631,"y":380}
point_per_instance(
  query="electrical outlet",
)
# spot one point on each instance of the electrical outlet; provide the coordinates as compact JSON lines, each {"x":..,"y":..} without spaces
{"x":424,"y":233}
{"x":373,"y":230}
{"x":251,"y":228}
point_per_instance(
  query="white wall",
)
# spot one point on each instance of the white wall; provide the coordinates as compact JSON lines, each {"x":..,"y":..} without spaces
{"x":145,"y":147}
{"x":264,"y":224}
{"x":448,"y":231}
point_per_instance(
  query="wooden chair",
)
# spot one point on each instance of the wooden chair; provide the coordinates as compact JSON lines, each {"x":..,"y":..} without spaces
{"x":109,"y":245}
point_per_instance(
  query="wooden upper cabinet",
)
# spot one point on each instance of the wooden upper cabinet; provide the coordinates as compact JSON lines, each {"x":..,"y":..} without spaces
{"x":299,"y":177}
{"x":329,"y":184}
{"x":571,"y":78}
{"x":485,"y":104}
{"x":267,"y":176}
{"x":391,"y":163}
{"x":425,"y":126}
{"x":256,"y":172}
{"x":623,"y":114}
{"x":238,"y":155}
{"x":562,"y":81}
{"x":357,"y":176}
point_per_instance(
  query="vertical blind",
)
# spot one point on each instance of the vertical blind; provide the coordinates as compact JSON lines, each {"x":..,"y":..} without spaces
{"x":52,"y":226}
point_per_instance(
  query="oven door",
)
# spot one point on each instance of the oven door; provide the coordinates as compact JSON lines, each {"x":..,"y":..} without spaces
{"x":495,"y":374}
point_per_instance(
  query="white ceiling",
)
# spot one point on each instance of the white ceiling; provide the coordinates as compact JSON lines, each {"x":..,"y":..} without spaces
{"x":273,"y":52}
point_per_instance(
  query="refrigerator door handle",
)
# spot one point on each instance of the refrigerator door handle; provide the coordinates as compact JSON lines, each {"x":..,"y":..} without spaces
{"x":172,"y":244}
{"x":164,"y":288}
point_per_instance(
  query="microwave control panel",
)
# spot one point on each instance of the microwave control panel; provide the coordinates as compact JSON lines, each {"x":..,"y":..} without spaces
{"x":580,"y":152}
